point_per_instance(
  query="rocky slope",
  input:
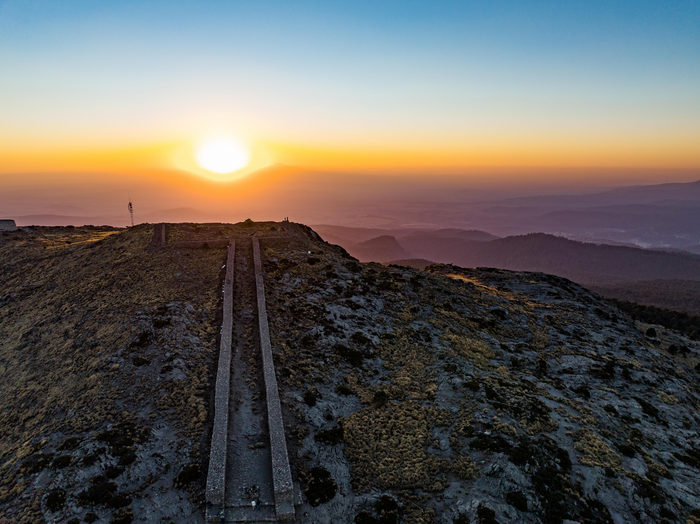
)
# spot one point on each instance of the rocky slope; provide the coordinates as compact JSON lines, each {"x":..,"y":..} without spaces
{"x":445,"y":395}
{"x":106,"y":357}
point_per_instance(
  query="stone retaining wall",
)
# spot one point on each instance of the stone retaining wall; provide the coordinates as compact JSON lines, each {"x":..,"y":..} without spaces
{"x":281,"y":472}
{"x":216,"y":479}
{"x":7,"y":225}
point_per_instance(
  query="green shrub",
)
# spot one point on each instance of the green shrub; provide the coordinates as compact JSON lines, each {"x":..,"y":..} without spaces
{"x":380,"y":399}
{"x":62,"y":461}
{"x":330,"y":436}
{"x":351,"y":356}
{"x":310,"y":397}
{"x":187,"y":475}
{"x":320,"y":487}
{"x":69,"y":443}
{"x":517,"y":500}
{"x":55,"y":500}
{"x":344,"y":390}
{"x":486,"y":515}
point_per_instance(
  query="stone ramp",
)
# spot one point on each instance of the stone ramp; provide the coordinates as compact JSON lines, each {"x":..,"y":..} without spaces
{"x":249,"y":467}
{"x":281,"y":472}
{"x":266,"y":513}
{"x":249,"y":447}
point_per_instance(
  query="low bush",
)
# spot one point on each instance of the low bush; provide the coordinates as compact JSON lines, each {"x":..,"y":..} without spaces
{"x":517,"y":500}
{"x":380,"y":399}
{"x":55,"y":500}
{"x":320,"y":487}
{"x":330,"y":436}
{"x":187,"y":475}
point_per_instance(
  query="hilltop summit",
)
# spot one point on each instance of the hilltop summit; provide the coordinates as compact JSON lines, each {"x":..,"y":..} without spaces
{"x":444,"y":395}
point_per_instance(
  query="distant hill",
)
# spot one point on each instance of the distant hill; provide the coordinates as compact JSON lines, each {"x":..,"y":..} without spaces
{"x":360,"y":234}
{"x":417,"y":263}
{"x":462,"y":234}
{"x":578,"y":261}
{"x":620,"y":196}
{"x":586,"y":263}
{"x":379,"y":249}
{"x":443,"y":247}
{"x":657,"y":215}
{"x":340,"y":234}
{"x":676,"y":295}
{"x":69,"y":220}
{"x":365,"y":243}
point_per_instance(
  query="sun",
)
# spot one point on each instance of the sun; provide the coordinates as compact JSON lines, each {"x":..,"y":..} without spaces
{"x":222,"y":156}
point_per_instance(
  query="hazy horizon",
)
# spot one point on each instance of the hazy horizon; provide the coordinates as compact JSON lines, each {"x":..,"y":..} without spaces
{"x":303,"y":195}
{"x":392,"y":115}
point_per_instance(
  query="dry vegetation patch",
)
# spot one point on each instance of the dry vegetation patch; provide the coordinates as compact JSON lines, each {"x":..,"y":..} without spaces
{"x":388,"y":448}
{"x":596,"y":452}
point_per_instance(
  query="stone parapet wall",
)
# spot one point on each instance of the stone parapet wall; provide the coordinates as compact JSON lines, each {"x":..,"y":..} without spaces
{"x":8,"y":225}
{"x":281,"y":472}
{"x":216,"y":478}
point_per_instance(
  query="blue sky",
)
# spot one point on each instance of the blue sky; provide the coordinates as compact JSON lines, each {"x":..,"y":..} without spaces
{"x":349,"y":73}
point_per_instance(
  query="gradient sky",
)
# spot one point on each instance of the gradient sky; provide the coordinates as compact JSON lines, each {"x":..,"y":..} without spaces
{"x":360,"y":85}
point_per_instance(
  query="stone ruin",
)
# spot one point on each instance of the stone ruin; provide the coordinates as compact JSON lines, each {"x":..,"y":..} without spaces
{"x":8,"y":225}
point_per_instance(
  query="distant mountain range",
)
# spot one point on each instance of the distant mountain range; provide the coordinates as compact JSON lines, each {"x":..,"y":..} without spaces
{"x":667,"y":278}
{"x":586,"y":263}
{"x":366,"y":244}
{"x":648,"y":216}
{"x":658,"y":216}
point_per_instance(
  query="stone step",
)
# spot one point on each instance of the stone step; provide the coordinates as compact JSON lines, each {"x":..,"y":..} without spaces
{"x":266,"y":513}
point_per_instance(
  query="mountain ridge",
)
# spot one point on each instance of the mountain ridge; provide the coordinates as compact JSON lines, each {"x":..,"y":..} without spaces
{"x":445,"y":395}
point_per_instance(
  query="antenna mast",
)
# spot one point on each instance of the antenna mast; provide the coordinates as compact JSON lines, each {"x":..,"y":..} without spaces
{"x":131,"y":211}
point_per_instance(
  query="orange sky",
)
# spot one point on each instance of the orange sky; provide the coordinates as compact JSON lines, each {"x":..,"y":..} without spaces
{"x":537,"y":91}
{"x":603,"y":151}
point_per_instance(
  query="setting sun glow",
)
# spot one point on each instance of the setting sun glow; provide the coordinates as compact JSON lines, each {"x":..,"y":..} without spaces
{"x":222,"y":156}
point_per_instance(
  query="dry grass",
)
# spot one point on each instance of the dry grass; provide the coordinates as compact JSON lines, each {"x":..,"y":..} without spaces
{"x":388,"y":448}
{"x":596,"y":452}
{"x":70,"y":298}
{"x":471,"y":349}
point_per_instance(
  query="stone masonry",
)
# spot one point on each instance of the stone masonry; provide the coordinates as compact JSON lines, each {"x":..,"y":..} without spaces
{"x":7,"y":225}
{"x":281,"y":472}
{"x":216,"y":483}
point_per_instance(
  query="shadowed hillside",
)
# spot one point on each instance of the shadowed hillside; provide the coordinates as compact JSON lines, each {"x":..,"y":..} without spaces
{"x":587,"y":263}
{"x":380,"y":249}
{"x":677,"y":295}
